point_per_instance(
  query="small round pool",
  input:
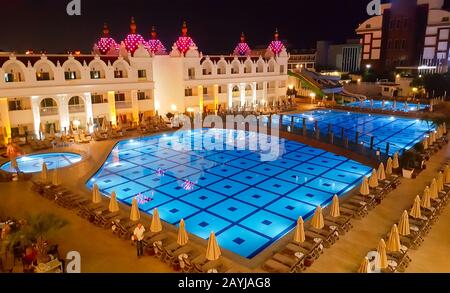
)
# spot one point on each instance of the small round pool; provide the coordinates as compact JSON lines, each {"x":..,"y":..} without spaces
{"x":33,"y":163}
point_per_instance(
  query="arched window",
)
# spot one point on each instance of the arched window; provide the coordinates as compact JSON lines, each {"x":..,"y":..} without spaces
{"x":48,"y":107}
{"x":221,"y":67}
{"x":72,"y":70}
{"x":207,"y":68}
{"x":14,"y":72}
{"x":44,"y":70}
{"x":235,"y":67}
{"x":120,"y":70}
{"x":248,"y":90}
{"x":271,"y":67}
{"x":97,"y":70}
{"x":76,"y":104}
{"x":260,"y":66}
{"x":236,"y":91}
{"x":248,"y":67}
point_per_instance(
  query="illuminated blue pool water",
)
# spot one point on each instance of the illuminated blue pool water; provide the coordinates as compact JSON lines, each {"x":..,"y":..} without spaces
{"x":33,"y":163}
{"x":401,"y":133}
{"x":388,"y":105}
{"x":247,"y":202}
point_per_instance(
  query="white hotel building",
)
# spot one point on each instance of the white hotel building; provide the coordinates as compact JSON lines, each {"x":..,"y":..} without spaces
{"x":133,"y":79}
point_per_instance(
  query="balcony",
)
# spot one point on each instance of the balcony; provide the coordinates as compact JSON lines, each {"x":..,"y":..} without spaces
{"x":123,"y":104}
{"x":270,"y":90}
{"x":76,"y":108}
{"x":49,"y":111}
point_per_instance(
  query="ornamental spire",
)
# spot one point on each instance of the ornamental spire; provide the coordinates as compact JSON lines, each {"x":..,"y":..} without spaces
{"x":105,"y":30}
{"x":132,"y":26}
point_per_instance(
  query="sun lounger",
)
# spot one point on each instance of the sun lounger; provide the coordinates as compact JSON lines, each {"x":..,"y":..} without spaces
{"x":294,"y":260}
{"x":273,"y":266}
{"x":171,"y":255}
{"x":103,"y":218}
{"x":343,"y":223}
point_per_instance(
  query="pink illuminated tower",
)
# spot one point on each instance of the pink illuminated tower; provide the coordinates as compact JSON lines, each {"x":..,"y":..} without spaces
{"x":184,"y":42}
{"x":106,"y":42}
{"x":242,"y":49}
{"x":133,"y":39}
{"x":154,"y":45}
{"x":276,"y":46}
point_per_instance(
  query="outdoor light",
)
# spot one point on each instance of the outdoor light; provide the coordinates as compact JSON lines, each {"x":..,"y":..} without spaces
{"x":297,"y":66}
{"x":420,"y":75}
{"x":190,"y":109}
{"x":397,"y":76}
{"x":291,"y":87}
{"x":173,"y":107}
{"x":76,"y":123}
{"x":414,"y":89}
{"x":368,"y":66}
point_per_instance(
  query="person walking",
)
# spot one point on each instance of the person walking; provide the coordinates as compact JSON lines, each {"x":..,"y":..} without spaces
{"x":138,"y":236}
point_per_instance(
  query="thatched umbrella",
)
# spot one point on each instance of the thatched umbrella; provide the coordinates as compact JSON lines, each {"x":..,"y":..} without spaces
{"x":426,"y":199}
{"x":373,"y":180}
{"x":96,"y":197}
{"x":113,"y":204}
{"x":364,"y":267}
{"x":183,"y":237}
{"x":395,"y":163}
{"x":389,"y":167}
{"x":415,"y":211}
{"x":364,"y":189}
{"x":135,"y":215}
{"x":156,"y":225}
{"x":317,"y":220}
{"x":440,"y":181}
{"x":403,"y":225}
{"x":393,"y":243}
{"x":44,"y":176}
{"x":434,"y":189}
{"x":446,"y":174}
{"x":382,"y":254}
{"x":381,"y":173}
{"x":335,"y":210}
{"x":56,"y":178}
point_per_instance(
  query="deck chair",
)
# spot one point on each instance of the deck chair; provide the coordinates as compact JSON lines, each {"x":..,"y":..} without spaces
{"x":273,"y":266}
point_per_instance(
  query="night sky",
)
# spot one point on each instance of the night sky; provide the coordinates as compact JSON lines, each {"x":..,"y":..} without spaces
{"x":215,"y":25}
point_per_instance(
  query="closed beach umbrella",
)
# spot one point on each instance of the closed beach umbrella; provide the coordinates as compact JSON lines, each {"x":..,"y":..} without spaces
{"x":425,"y":143}
{"x":403,"y":225}
{"x":113,"y":204}
{"x":44,"y":177}
{"x":134,"y":214}
{"x":382,"y":254}
{"x":373,"y":180}
{"x":56,"y":180}
{"x":317,"y":220}
{"x":156,"y":225}
{"x":182,"y":234}
{"x":433,"y":189}
{"x":426,"y":199}
{"x":213,"y":250}
{"x":446,"y":174}
{"x":415,"y":211}
{"x":364,"y":189}
{"x":364,"y":267}
{"x":96,"y":198}
{"x":389,"y":167}
{"x":299,"y":233}
{"x":335,"y":210}
{"x":381,"y":173}
{"x":440,"y":181}
{"x":395,"y":163}
{"x":393,"y":243}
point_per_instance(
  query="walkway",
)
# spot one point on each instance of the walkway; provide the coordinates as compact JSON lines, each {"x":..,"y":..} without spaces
{"x":348,"y":252}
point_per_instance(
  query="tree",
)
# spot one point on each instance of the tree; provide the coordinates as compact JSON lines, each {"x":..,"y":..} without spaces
{"x":438,"y":84}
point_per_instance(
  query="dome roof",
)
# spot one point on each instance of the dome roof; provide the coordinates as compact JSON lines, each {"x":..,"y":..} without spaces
{"x":184,"y":42}
{"x":154,"y":45}
{"x":242,"y":48}
{"x":276,"y":46}
{"x":133,"y":39}
{"x":105,"y":43}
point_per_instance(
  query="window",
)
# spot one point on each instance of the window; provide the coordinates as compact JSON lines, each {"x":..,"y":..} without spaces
{"x":48,"y":103}
{"x":205,"y":90}
{"x":445,"y":19}
{"x":389,"y":44}
{"x":405,"y":23}
{"x":9,"y":77}
{"x":397,"y":44}
{"x":95,"y":74}
{"x":398,"y":24}
{"x":142,"y":73}
{"x":281,"y":68}
{"x":403,"y":44}
{"x":118,"y":74}
{"x":220,"y":90}
{"x":97,"y":99}
{"x":42,"y":76}
{"x":141,"y":96}
{"x":75,"y":101}
{"x":70,"y":75}
{"x":368,"y":25}
{"x":188,"y":92}
{"x":191,"y":73}
{"x":392,"y":24}
{"x":119,"y":97}
{"x":15,"y":105}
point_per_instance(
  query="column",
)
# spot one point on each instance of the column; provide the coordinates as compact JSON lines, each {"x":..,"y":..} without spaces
{"x":4,"y":115}
{"x":112,"y":107}
{"x":216,"y":98}
{"x":230,"y":95}
{"x":63,"y":110}
{"x":36,"y":115}
{"x":254,"y":93}
{"x":200,"y":98}
{"x":242,"y":92}
{"x":265,"y":93}
{"x":135,"y":106}
{"x":89,"y":112}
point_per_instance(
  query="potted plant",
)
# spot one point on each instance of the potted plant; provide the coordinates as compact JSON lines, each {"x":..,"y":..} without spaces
{"x":408,"y":162}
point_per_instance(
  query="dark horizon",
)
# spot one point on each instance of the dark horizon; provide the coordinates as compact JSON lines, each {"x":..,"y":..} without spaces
{"x":215,"y":25}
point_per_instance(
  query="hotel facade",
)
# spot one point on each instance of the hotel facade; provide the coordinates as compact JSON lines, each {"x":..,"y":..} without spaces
{"x":133,"y":79}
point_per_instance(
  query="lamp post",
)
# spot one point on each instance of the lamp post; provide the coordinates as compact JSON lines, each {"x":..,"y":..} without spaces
{"x":313,"y":97}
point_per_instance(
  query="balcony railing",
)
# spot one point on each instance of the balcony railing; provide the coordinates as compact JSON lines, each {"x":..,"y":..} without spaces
{"x":48,"y":111}
{"x":76,"y":108}
{"x":123,"y":104}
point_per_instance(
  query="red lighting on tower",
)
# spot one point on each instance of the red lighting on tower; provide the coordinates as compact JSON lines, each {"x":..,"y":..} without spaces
{"x":133,"y":39}
{"x":242,"y":48}
{"x":184,"y":41}
{"x":106,"y":42}
{"x":276,"y":46}
{"x":154,"y":45}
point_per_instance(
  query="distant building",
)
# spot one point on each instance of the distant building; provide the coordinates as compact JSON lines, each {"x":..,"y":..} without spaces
{"x":341,"y":57}
{"x":299,"y":59}
{"x":410,"y":35}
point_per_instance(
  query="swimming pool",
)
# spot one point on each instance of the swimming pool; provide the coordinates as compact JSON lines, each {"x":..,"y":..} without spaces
{"x":401,"y":133}
{"x":33,"y":163}
{"x":389,"y":105}
{"x":247,"y":202}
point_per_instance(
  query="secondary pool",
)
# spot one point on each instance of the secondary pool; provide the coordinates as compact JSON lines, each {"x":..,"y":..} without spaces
{"x":401,"y":133}
{"x":33,"y":163}
{"x":247,"y":202}
{"x":388,"y":105}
